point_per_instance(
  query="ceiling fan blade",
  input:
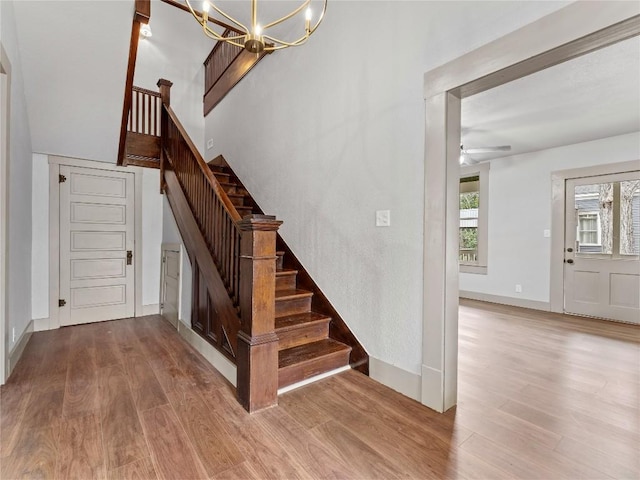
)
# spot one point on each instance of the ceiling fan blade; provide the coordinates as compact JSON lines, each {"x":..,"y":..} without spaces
{"x":499,"y":148}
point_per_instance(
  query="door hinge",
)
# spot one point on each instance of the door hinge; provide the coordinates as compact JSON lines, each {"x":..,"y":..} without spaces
{"x":62,"y":302}
{"x":62,"y":178}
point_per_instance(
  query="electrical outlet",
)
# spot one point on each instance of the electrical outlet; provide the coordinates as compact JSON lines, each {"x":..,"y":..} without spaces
{"x":518,"y":288}
{"x":383,"y":218}
{"x":210,"y":143}
{"x":546,"y":233}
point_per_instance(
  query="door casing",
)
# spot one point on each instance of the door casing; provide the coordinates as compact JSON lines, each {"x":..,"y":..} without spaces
{"x":577,"y":29}
{"x":53,"y":321}
{"x":5,"y":115}
{"x":558,"y":220}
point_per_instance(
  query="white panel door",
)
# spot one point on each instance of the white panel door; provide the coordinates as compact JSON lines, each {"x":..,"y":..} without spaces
{"x":169,"y":306}
{"x":96,"y":245}
{"x":602,"y":246}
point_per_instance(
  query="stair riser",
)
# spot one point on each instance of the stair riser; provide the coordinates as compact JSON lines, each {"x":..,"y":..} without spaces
{"x":222,"y":177}
{"x":312,"y":332}
{"x":296,"y":373}
{"x":237,"y":201}
{"x":285,"y":282}
{"x":293,"y":306}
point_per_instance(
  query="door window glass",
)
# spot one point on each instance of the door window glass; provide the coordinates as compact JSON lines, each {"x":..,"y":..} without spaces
{"x":594,"y":210}
{"x":630,"y":217}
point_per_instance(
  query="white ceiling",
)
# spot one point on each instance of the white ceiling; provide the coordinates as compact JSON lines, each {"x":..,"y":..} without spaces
{"x":590,"y":97}
{"x":74,"y":61}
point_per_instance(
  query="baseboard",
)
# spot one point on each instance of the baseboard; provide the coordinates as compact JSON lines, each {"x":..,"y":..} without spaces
{"x":172,"y":321}
{"x":41,"y":324}
{"x":151,"y":309}
{"x":18,"y":348}
{"x":316,"y":378}
{"x":402,"y":381}
{"x":511,"y":301}
{"x":213,"y":356}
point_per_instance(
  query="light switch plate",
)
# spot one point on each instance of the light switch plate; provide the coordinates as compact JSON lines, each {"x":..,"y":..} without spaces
{"x":210,"y":143}
{"x":547,"y":233}
{"x":383,"y":218}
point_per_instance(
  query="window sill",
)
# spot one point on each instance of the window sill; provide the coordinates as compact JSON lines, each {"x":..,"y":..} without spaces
{"x":477,"y":269}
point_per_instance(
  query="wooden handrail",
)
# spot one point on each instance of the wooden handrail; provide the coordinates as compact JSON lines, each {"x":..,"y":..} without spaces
{"x":141,"y":15}
{"x":204,"y":168}
{"x":211,"y":20}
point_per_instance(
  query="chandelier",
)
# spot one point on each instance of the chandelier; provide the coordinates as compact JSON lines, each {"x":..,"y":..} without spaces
{"x":255,"y":38}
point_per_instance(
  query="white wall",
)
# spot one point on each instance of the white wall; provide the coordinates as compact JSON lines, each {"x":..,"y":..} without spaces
{"x":40,"y":240}
{"x":151,"y":236}
{"x":19,"y":166}
{"x":171,"y":234}
{"x":337,"y":132}
{"x":176,"y":52}
{"x":520,"y":211}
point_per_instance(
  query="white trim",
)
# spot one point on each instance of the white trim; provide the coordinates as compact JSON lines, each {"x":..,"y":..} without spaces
{"x":574,"y":30}
{"x":407,"y":383}
{"x":511,"y":301}
{"x":18,"y":348}
{"x":40,"y":324}
{"x":5,"y":138}
{"x":310,"y":380}
{"x":54,"y":229}
{"x":558,"y":221}
{"x":138,"y":251}
{"x":213,"y":356}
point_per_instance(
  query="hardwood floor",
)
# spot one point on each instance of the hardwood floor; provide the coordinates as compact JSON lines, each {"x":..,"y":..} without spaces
{"x":541,"y":396}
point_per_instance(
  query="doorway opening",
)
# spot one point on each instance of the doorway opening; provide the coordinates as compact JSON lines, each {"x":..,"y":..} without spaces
{"x":495,"y":64}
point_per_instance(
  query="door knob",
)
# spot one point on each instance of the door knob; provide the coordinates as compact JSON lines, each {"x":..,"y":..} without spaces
{"x":570,"y":260}
{"x":569,"y":249}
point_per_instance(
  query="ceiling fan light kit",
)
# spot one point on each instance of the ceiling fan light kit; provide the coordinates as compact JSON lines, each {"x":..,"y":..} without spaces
{"x":465,"y":159}
{"x":254,"y":38}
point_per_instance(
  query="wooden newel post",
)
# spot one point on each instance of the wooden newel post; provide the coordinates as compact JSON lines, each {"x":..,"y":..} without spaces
{"x":164,"y":86}
{"x":257,"y":355}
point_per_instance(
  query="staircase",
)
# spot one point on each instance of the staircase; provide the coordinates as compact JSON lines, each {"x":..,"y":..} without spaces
{"x":305,"y":348}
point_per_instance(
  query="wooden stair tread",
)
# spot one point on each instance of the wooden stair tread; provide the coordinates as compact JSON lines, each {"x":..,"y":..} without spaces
{"x":289,"y":322}
{"x":285,"y":272}
{"x":289,"y":294}
{"x":310,"y":352}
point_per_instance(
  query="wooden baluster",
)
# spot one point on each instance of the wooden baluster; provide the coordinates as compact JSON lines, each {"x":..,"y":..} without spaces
{"x":165,"y":95}
{"x":257,"y":357}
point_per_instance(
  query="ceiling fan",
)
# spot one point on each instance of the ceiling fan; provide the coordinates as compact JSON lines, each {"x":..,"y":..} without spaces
{"x":465,"y":159}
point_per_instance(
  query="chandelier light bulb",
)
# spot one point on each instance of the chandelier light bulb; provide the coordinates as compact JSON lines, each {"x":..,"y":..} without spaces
{"x":254,"y":37}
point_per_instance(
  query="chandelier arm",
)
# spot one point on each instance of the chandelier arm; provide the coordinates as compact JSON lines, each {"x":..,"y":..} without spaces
{"x":214,"y":35}
{"x":283,"y":43}
{"x":230,"y":18}
{"x":287,"y":17}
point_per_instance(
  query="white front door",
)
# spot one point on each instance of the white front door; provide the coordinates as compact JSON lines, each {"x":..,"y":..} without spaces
{"x":169,"y":306}
{"x":602,"y":246}
{"x":96,"y":245}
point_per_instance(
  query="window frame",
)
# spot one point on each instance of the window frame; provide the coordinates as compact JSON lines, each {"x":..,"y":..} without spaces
{"x":480,"y":266}
{"x":598,"y":229}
